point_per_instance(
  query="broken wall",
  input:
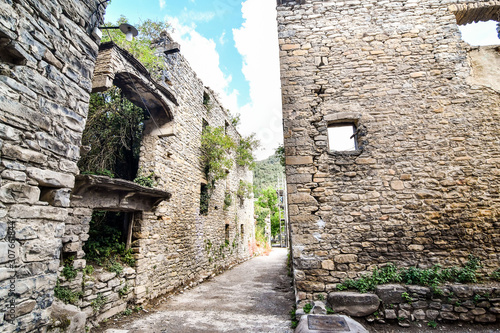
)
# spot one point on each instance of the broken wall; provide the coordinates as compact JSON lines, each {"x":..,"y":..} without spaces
{"x":47,"y":58}
{"x":422,"y":186}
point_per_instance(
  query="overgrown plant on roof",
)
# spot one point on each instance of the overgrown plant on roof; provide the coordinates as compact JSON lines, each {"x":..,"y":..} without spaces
{"x":141,"y":47}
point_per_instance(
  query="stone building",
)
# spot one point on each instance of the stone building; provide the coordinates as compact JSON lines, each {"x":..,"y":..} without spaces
{"x":47,"y":60}
{"x":392,"y":137}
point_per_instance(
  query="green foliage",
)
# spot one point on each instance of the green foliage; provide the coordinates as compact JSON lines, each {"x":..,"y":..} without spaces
{"x":115,"y":267}
{"x":432,"y":324}
{"x":127,"y":312}
{"x":235,"y":120}
{"x":113,"y":133}
{"x":269,"y":200}
{"x":280,"y":153}
{"x":147,"y":181}
{"x":228,"y":200}
{"x":66,"y":295}
{"x":88,"y":270}
{"x":425,"y":277}
{"x":329,"y":310}
{"x":98,"y":302}
{"x":69,"y":272}
{"x":307,"y":308}
{"x":107,"y":173}
{"x":245,"y":190}
{"x":141,"y":46}
{"x":245,"y":149}
{"x":205,"y":195}
{"x":293,"y":318}
{"x":406,"y":297}
{"x":496,"y":275}
{"x":215,"y":148}
{"x":266,"y":173}
{"x":104,"y":245}
{"x":124,"y":291}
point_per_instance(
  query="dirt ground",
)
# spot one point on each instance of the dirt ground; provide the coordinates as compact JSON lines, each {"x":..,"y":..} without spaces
{"x":421,"y":327}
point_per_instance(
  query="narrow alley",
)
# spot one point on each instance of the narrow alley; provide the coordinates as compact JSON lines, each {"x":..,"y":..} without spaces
{"x":255,"y":296}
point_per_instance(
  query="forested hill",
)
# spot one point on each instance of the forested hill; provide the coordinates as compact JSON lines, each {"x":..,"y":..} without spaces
{"x":266,"y":173}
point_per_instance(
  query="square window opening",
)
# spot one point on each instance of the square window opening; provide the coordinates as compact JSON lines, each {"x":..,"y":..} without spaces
{"x":342,"y":137}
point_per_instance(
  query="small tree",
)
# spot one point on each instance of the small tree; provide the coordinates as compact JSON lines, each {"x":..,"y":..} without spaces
{"x":269,"y":200}
{"x":244,"y":151}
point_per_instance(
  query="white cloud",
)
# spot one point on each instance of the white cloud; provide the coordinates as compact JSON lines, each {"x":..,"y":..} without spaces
{"x":257,"y":42}
{"x":481,"y":33}
{"x":162,"y":4}
{"x":204,"y":60}
{"x":192,"y":16}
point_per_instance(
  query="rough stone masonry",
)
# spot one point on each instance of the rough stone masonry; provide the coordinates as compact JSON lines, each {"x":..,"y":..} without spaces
{"x":47,"y":60}
{"x":421,"y":186}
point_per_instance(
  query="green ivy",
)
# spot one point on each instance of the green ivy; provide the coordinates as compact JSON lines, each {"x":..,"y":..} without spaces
{"x":98,"y":302}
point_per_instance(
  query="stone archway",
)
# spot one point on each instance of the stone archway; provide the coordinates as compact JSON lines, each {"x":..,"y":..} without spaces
{"x":476,"y":12}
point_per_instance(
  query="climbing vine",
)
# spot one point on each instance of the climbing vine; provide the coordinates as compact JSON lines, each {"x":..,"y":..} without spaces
{"x":244,"y":151}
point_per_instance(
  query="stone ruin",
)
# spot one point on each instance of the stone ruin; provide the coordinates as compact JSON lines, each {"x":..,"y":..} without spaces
{"x":419,"y":184}
{"x":49,"y":65}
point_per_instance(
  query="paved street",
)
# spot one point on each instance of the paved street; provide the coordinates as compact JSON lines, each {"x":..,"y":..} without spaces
{"x":255,"y":296}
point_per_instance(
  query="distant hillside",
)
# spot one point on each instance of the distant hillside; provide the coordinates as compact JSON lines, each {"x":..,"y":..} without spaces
{"x":266,"y":174}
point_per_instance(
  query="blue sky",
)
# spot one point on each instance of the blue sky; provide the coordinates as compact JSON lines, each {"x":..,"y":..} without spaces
{"x":233,"y":47}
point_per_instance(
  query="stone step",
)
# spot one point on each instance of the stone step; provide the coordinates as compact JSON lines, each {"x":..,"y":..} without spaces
{"x":329,"y":323}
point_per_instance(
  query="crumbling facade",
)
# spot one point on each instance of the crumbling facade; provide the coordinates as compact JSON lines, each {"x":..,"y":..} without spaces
{"x":47,"y":60}
{"x":419,"y":184}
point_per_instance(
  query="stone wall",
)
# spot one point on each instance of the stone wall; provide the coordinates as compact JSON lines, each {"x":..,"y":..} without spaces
{"x":404,"y":304}
{"x":175,"y":246}
{"x":47,"y":56}
{"x":422,"y":186}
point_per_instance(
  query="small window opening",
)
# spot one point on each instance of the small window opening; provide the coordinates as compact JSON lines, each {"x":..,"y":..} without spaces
{"x":227,"y":234}
{"x":481,"y":33}
{"x":242,"y":230}
{"x":204,"y":199}
{"x":226,"y":126}
{"x":342,"y":137}
{"x":206,"y":101}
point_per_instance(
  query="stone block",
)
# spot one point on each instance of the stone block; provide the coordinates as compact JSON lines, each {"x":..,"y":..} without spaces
{"x":57,"y":198}
{"x":19,"y":193}
{"x":66,"y":312}
{"x":328,"y":323}
{"x":345,"y":258}
{"x":26,"y":155}
{"x":390,"y":293}
{"x":51,"y":178}
{"x":302,"y":198}
{"x":299,"y":160}
{"x":38,"y":212}
{"x":353,"y":304}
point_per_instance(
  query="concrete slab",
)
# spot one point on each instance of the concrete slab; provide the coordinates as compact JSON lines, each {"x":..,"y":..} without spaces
{"x":329,"y":324}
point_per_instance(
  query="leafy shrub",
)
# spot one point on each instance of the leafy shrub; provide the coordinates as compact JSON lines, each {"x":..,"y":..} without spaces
{"x":147,"y":181}
{"x":88,"y":270}
{"x":69,"y":272}
{"x":425,"y":277}
{"x":215,"y":149}
{"x":244,"y":151}
{"x":228,"y":200}
{"x":67,"y":295}
{"x":307,"y":308}
{"x":104,"y":246}
{"x":98,"y":302}
{"x":245,"y":190}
